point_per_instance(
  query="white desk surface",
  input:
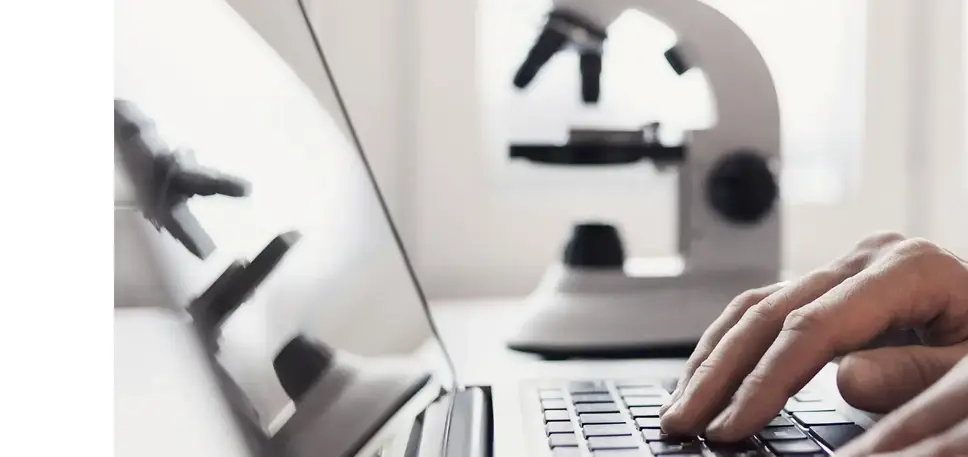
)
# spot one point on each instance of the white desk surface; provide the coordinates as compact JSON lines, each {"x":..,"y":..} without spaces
{"x":166,"y":400}
{"x":474,"y":332}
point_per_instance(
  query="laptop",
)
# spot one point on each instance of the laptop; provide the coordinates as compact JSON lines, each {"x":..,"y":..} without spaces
{"x":245,"y":86}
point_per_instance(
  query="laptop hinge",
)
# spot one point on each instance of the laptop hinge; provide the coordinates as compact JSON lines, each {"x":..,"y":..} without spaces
{"x":467,"y":434}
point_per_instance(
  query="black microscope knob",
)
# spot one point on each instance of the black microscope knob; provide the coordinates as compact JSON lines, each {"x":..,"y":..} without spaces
{"x":300,"y":364}
{"x":742,"y":188}
{"x":595,"y":245}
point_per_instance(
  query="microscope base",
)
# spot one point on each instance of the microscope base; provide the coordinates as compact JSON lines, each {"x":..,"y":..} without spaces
{"x":611,"y":314}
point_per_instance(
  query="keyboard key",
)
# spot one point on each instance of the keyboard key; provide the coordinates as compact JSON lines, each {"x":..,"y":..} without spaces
{"x":607,"y":430}
{"x":585,"y":408}
{"x":645,"y":401}
{"x":780,"y":421}
{"x":562,"y":440}
{"x":655,"y":434}
{"x":781,"y":433}
{"x":796,"y":406}
{"x":750,"y":453}
{"x":821,"y":418}
{"x":740,"y":448}
{"x":596,"y":443}
{"x":663,"y":448}
{"x":621,"y":453}
{"x":601,"y":418}
{"x":642,"y":392}
{"x":587,"y":387}
{"x":559,"y":427}
{"x":591,"y":398}
{"x":836,"y":436}
{"x":647,"y":422}
{"x":556,"y":415}
{"x":553,"y":404}
{"x":794,"y":447}
{"x":550,"y":394}
{"x":566,"y":452}
{"x":645,"y":411}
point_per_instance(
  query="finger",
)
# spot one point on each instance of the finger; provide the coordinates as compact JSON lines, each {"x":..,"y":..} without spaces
{"x":880,"y":380}
{"x":865,"y":251}
{"x":199,"y":181}
{"x":937,"y":417}
{"x":710,"y":338}
{"x":952,"y":443}
{"x":737,"y":352}
{"x":911,"y":288}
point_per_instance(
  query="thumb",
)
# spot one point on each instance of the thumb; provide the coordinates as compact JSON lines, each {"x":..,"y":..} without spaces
{"x":880,"y":380}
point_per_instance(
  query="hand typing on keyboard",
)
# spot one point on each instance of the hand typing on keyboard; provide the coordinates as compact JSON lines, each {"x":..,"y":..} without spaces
{"x":770,"y":342}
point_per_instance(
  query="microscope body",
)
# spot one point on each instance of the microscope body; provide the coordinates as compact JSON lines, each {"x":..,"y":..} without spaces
{"x":729,"y":217}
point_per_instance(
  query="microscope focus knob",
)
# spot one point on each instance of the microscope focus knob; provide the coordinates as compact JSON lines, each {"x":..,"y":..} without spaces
{"x":742,"y":188}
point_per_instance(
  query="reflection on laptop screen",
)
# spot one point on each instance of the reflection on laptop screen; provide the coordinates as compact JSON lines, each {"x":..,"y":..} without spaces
{"x":214,"y":86}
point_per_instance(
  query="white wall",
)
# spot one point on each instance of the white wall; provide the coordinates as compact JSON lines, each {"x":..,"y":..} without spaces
{"x":473,"y":236}
{"x":362,"y":43}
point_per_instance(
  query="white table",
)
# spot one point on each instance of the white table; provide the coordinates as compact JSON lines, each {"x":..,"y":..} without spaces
{"x":475,"y":332}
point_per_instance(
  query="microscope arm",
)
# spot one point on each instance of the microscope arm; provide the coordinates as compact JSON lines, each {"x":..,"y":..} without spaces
{"x":738,"y":76}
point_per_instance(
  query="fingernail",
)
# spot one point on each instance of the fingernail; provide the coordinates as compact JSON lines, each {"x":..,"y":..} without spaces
{"x":664,"y":408}
{"x":672,"y":410}
{"x":718,"y":425}
{"x":669,"y":403}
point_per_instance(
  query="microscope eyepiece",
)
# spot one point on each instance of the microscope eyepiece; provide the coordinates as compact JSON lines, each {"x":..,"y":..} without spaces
{"x":545,"y":47}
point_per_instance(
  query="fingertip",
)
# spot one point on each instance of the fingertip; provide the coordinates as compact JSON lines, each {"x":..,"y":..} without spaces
{"x":664,"y":408}
{"x":674,"y":422}
{"x":719,"y":429}
{"x":855,"y":378}
{"x":673,"y":399}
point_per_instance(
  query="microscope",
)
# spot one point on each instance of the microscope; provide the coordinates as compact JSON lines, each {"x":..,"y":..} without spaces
{"x":595,"y":303}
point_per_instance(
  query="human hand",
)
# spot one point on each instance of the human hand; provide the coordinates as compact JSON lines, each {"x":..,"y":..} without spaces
{"x":770,"y":342}
{"x":933,"y":424}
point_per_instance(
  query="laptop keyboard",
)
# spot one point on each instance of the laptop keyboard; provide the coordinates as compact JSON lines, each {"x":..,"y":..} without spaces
{"x":621,"y":419}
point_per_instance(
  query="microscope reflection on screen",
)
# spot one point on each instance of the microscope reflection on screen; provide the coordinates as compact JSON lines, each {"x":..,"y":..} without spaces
{"x":596,"y":302}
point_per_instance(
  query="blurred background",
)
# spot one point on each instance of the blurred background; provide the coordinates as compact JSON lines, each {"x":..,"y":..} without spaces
{"x":872,"y":96}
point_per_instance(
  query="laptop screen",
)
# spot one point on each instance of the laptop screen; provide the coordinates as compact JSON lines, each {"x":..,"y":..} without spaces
{"x":219,"y":92}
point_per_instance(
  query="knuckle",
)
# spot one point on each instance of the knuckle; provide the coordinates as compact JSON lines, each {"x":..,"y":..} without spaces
{"x":802,"y":321}
{"x":880,"y":239}
{"x":927,"y":261}
{"x":918,"y":248}
{"x":760,"y":313}
{"x":854,"y":261}
{"x":693,"y":363}
{"x":756,"y":382}
{"x":748,"y":299}
{"x":867,"y":249}
{"x":704,"y":368}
